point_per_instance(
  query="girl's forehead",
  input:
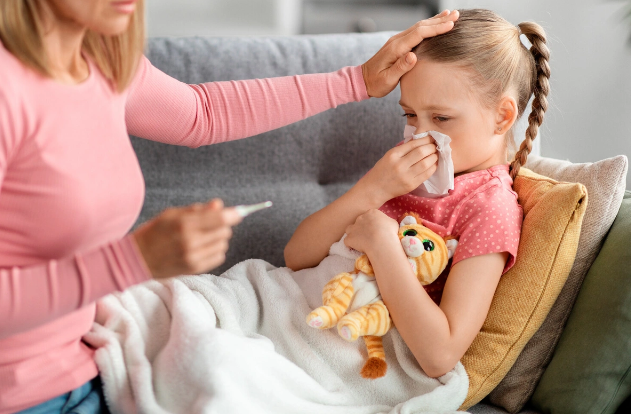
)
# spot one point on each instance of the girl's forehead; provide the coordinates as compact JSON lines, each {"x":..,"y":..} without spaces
{"x":435,"y":85}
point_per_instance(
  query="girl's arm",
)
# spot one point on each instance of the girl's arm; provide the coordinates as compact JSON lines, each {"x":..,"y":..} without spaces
{"x":437,"y":336}
{"x":398,"y":172}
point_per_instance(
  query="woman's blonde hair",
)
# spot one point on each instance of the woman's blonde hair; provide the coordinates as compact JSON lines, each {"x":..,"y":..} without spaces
{"x":22,"y":31}
{"x":483,"y":41}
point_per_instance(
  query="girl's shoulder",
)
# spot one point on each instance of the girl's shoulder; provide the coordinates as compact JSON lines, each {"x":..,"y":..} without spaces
{"x":487,"y":187}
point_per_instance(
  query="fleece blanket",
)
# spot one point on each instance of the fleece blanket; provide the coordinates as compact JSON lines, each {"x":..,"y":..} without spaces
{"x":239,"y":343}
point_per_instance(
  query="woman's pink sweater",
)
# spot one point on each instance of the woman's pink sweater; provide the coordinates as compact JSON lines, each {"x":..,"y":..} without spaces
{"x":71,"y":189}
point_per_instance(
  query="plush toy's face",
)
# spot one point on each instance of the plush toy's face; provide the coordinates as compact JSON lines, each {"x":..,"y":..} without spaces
{"x":427,"y":252}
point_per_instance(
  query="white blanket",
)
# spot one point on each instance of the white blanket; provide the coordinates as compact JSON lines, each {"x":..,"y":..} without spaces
{"x":159,"y":349}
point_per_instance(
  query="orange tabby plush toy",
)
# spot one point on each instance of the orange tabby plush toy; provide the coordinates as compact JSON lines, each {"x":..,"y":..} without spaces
{"x":352,"y":300}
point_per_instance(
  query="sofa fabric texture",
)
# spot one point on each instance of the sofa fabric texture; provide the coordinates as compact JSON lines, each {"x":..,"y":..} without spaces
{"x":605,"y":181}
{"x":553,"y":213}
{"x":589,"y":371}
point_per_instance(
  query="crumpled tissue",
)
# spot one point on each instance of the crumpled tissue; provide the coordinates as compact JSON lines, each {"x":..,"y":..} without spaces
{"x":439,"y":184}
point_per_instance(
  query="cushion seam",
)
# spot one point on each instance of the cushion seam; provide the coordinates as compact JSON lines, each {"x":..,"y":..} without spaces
{"x":617,"y":389}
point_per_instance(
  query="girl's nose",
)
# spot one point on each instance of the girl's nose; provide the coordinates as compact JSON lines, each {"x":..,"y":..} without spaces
{"x":422,"y":127}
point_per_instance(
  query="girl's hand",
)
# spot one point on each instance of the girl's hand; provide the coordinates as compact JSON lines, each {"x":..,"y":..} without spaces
{"x":383,"y":71}
{"x":370,"y":230}
{"x":187,"y":240}
{"x":400,"y":170}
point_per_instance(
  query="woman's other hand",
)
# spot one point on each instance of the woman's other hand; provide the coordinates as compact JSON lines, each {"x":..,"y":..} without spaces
{"x":400,"y":170}
{"x":383,"y":71}
{"x":370,"y":230}
{"x":187,"y":240}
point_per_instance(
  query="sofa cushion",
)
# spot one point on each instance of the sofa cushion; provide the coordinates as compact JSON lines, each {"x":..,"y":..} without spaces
{"x":605,"y":182}
{"x":553,"y":213}
{"x":589,"y":370}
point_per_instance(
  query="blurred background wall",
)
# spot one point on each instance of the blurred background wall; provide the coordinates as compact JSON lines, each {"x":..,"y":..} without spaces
{"x":590,"y":103}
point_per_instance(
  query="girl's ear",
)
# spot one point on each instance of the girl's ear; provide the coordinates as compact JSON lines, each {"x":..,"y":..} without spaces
{"x":506,"y":114}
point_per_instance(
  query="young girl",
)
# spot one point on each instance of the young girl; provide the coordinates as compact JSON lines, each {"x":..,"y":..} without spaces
{"x":471,"y":84}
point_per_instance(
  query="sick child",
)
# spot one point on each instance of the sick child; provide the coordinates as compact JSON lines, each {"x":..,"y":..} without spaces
{"x":471,"y":84}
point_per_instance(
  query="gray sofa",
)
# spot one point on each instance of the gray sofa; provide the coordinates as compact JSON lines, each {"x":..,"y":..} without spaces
{"x":301,"y":167}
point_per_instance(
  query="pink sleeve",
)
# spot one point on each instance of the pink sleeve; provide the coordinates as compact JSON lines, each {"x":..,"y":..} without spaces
{"x":164,"y":109}
{"x":494,"y":226}
{"x":31,"y":296}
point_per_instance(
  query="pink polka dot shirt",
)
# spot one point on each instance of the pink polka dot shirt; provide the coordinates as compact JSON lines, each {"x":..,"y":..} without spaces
{"x":481,"y":212}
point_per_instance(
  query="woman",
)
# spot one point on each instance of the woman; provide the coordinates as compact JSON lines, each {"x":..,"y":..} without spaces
{"x":74,"y":84}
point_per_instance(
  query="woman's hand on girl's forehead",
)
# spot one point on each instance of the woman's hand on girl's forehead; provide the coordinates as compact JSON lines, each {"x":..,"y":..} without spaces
{"x":383,"y":71}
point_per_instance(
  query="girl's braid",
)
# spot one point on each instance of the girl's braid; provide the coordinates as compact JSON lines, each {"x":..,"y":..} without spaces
{"x":537,"y":37}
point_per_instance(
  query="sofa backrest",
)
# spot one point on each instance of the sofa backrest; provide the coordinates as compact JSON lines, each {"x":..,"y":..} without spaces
{"x":300,"y":168}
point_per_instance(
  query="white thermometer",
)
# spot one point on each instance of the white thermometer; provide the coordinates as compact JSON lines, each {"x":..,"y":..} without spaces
{"x":252,"y":208}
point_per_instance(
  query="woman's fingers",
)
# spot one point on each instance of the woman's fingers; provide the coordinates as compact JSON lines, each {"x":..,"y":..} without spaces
{"x":211,"y":216}
{"x":212,"y":262}
{"x":182,"y":239}
{"x":423,"y":30}
{"x":209,"y":256}
{"x":203,"y":238}
{"x":439,"y":19}
{"x":443,"y":16}
{"x":382,"y":72}
{"x":402,"y":47}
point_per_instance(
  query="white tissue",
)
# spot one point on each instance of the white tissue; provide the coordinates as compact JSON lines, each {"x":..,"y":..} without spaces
{"x":442,"y":180}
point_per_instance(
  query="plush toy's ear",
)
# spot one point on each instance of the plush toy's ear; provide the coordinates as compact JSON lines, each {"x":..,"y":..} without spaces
{"x":411,"y":217}
{"x":407,"y":220}
{"x":451,"y":243}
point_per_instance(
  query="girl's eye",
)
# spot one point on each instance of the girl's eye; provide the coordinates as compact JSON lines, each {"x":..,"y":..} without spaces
{"x":441,"y":118}
{"x":410,"y":232}
{"x":428,"y":245}
{"x":408,"y":115}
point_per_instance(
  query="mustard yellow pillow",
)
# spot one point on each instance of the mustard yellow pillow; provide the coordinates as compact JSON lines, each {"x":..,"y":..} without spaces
{"x":553,"y":213}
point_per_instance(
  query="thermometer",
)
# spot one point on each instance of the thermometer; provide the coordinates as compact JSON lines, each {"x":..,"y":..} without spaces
{"x":246,"y":210}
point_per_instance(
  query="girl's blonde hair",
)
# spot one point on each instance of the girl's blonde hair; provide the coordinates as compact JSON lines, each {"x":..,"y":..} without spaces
{"x":483,"y":41}
{"x":21,"y":32}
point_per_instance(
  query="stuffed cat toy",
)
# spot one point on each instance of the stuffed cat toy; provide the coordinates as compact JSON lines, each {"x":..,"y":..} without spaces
{"x":352,"y":300}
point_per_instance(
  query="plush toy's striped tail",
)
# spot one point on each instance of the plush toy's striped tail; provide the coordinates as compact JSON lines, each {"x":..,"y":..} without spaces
{"x":376,"y":365}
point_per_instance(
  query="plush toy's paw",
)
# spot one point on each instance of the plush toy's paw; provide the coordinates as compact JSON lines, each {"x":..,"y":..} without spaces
{"x":345,"y":333}
{"x":320,"y":318}
{"x":314,"y":322}
{"x":374,"y":368}
{"x":348,"y":331}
